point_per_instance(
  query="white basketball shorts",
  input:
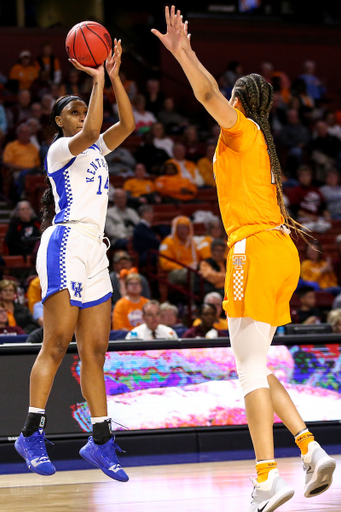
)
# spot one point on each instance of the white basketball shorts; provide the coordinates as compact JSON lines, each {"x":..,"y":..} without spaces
{"x":71,"y":260}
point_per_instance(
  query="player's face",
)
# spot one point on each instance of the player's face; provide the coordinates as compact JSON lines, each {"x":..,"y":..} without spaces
{"x":72,"y":117}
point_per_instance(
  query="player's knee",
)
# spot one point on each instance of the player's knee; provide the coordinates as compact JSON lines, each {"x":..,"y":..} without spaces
{"x":57,"y":348}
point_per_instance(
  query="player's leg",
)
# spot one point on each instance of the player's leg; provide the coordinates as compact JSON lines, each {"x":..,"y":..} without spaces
{"x":92,"y":334}
{"x":319,"y":467}
{"x":250,"y":343}
{"x":59,"y":325}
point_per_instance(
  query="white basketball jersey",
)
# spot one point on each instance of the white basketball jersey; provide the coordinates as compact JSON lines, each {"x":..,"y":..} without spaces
{"x":79,"y":183}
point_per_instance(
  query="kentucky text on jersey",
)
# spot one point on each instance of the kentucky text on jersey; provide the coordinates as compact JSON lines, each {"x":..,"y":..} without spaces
{"x":80,"y":183}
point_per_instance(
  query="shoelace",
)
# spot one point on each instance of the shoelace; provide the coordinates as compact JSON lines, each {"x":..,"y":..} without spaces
{"x":254,"y":483}
{"x":110,"y":454}
{"x":38,"y":444}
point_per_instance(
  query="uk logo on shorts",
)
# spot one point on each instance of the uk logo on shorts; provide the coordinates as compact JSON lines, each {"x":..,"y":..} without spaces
{"x":77,"y":289}
{"x":238,"y":260}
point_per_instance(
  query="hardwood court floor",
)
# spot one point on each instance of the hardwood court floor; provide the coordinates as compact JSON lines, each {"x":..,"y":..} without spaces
{"x":204,"y":487}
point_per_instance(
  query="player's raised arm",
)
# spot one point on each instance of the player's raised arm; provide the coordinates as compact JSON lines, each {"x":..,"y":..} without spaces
{"x":93,"y":120}
{"x":205,"y":87}
{"x":117,"y":133}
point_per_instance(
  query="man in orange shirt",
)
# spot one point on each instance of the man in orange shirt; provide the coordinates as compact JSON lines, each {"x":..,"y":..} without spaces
{"x":186,"y":168}
{"x":263,"y":264}
{"x":21,"y":157}
{"x":47,"y":61}
{"x":172,"y":186}
{"x":24,"y":71}
{"x":140,"y":189}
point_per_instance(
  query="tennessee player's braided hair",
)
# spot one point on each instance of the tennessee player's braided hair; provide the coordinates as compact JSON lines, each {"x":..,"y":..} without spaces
{"x":256,"y":95}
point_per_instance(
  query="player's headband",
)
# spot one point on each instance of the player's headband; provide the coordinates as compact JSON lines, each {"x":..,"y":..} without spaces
{"x":63,"y":102}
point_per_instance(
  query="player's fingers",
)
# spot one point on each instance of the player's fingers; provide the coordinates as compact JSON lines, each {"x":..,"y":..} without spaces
{"x":167,"y":15}
{"x":156,"y":33}
{"x":172,"y":15}
{"x":186,"y":27}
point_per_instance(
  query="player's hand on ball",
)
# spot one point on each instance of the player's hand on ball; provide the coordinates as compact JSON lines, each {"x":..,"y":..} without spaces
{"x":94,"y":72}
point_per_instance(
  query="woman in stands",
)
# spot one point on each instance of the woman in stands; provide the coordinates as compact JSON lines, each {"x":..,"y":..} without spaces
{"x":263,"y":264}
{"x":73,"y":267}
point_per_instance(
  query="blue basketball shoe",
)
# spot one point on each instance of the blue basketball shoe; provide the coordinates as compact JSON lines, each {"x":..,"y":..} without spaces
{"x":33,"y":450}
{"x":104,"y":457}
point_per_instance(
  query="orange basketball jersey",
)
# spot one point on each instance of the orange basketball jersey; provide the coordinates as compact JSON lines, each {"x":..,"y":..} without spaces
{"x":245,"y":185}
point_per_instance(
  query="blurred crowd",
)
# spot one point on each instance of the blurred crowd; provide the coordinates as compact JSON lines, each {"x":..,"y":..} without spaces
{"x":168,"y":252}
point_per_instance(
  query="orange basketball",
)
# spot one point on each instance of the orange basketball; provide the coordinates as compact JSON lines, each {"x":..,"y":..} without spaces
{"x":89,"y":43}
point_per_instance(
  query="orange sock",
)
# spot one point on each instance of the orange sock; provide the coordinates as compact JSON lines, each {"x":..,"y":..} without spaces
{"x":303,"y":440}
{"x":263,"y":469}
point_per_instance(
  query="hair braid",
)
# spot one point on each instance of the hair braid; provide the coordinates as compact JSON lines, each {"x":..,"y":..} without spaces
{"x":256,"y":96}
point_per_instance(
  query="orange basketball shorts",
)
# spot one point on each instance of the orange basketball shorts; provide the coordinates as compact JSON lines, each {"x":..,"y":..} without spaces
{"x":262,"y":274}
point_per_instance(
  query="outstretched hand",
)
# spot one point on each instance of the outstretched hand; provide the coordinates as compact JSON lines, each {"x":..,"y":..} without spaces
{"x":176,"y":37}
{"x":113,"y":62}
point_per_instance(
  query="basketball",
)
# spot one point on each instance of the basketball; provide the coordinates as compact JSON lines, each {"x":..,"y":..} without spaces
{"x":89,"y":43}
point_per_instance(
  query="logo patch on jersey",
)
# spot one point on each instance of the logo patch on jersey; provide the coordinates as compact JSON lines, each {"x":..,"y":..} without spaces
{"x":238,"y":260}
{"x":77,"y":289}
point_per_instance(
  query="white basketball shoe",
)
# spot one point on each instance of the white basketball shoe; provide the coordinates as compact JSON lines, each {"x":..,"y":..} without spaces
{"x":319,"y":469}
{"x":271,"y":494}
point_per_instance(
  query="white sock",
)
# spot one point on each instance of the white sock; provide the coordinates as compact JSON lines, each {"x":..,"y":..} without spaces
{"x":99,"y":419}
{"x":36,"y":410}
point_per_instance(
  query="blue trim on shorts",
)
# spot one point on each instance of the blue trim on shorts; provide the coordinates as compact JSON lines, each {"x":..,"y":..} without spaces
{"x":55,"y":261}
{"x":96,"y":302}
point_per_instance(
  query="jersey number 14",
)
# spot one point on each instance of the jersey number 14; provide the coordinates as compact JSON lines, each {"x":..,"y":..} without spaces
{"x":106,"y":186}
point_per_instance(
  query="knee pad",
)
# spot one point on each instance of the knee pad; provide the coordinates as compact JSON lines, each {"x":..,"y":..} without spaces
{"x":250,"y":341}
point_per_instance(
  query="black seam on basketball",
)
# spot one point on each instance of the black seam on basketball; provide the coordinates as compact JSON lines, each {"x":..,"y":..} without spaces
{"x":73,"y":44}
{"x":86,"y":42}
{"x":106,"y":46}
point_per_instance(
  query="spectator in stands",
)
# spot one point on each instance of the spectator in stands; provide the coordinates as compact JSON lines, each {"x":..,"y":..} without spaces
{"x":307,"y":313}
{"x":152,"y":328}
{"x":318,"y":269}
{"x":36,"y":132}
{"x":215,"y":299}
{"x":213,"y":269}
{"x":161,"y":140}
{"x":195,"y":149}
{"x":24,"y":71}
{"x":122,"y":266}
{"x":127,"y":312}
{"x":3,"y":125}
{"x":47,"y":61}
{"x":140,"y":189}
{"x":326,"y":150}
{"x":144,"y":119}
{"x":294,"y":138}
{"x":233,"y":71}
{"x":40,"y":86}
{"x":150,"y":155}
{"x":278,"y":115}
{"x":172,"y":186}
{"x":205,"y":329}
{"x":33,"y":292}
{"x":205,"y":166}
{"x":307,"y":203}
{"x":72,"y":84}
{"x":129,"y":85}
{"x":334,"y":128}
{"x":145,"y":237}
{"x":181,"y":247}
{"x":173,"y":122}
{"x":186,"y":168}
{"x":154,"y":96}
{"x":23,"y":230}
{"x":121,"y":162}
{"x":331,"y":192}
{"x":315,"y":87}
{"x":337,"y":259}
{"x":18,"y":314}
{"x":120,"y":221}
{"x":5,"y":329}
{"x":214,"y":230}
{"x":334,"y":319}
{"x":169,"y":315}
{"x":21,"y":157}
{"x":20,"y":111}
{"x":306,"y":106}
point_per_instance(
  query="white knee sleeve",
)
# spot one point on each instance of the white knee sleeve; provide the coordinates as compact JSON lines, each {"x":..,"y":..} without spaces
{"x":250,"y":341}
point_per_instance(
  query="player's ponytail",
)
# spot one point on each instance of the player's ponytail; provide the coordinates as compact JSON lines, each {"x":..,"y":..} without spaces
{"x":256,"y":96}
